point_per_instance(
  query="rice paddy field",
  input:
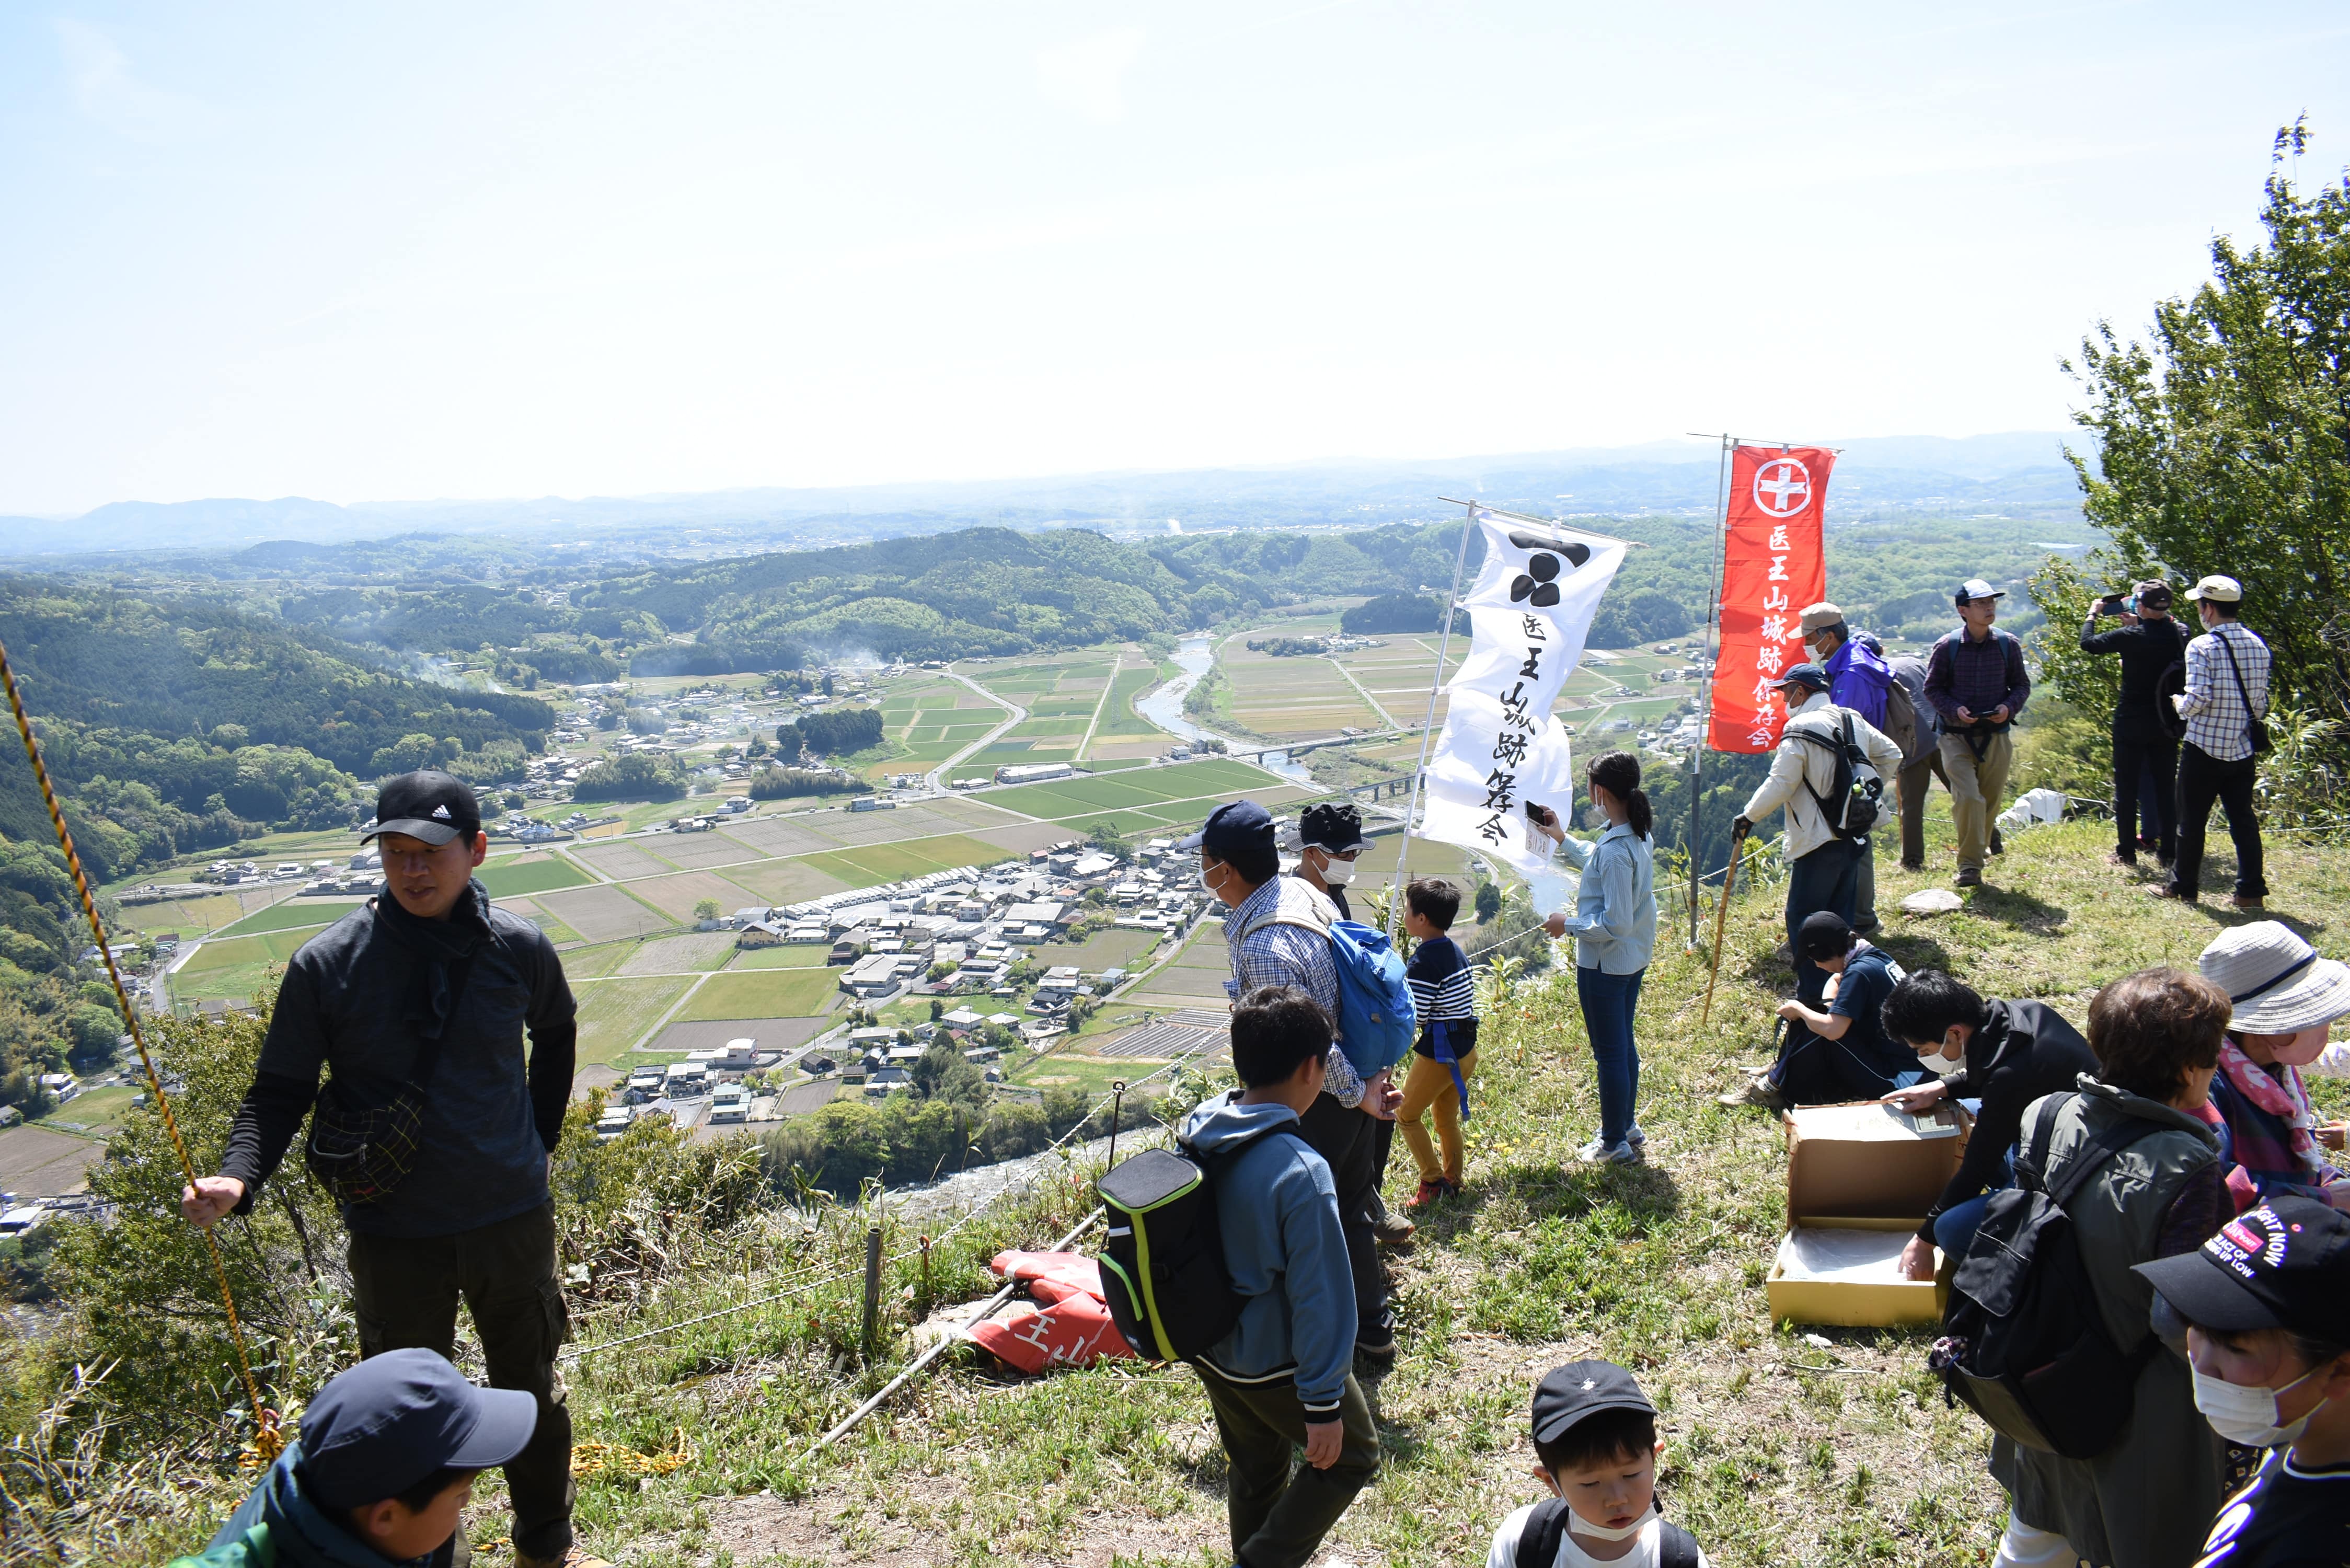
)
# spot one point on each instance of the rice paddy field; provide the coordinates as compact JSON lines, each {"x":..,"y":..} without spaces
{"x":1061,"y":695}
{"x":929,"y":721}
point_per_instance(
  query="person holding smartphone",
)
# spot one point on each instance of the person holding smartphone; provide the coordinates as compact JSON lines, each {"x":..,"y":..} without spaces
{"x":1614,"y":930}
{"x":2149,"y":642}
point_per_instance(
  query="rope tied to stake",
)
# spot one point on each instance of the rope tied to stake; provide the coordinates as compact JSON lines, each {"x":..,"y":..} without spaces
{"x":269,"y":1437}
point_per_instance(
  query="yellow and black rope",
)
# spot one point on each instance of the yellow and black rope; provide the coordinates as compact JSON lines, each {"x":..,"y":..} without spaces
{"x":269,"y":1440}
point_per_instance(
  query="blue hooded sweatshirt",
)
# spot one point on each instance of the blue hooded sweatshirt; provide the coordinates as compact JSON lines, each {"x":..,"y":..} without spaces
{"x":301,"y":1534}
{"x":1857,"y":678}
{"x":1279,"y":1211}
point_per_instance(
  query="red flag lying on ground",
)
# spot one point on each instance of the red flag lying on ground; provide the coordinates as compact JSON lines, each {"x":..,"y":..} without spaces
{"x":1773,"y":566}
{"x":1072,"y":1328}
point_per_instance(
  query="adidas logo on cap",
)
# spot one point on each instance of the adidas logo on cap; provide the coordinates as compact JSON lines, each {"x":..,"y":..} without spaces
{"x":441,"y":811}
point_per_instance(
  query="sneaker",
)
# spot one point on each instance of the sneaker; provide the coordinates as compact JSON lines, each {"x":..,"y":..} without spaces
{"x":1913,"y":865}
{"x":1377,"y":1352}
{"x":1392,"y":1230}
{"x":1625,"y":1152}
{"x":2248,"y":900}
{"x":1433,"y":1188}
{"x":1969,"y":877}
{"x":1758,"y":1090}
{"x":2165,"y":890}
{"x":2115,"y":858}
{"x":1998,"y":845}
{"x":1635,"y":1135}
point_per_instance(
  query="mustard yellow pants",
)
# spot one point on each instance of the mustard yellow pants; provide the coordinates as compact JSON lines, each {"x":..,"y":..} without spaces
{"x":1429,"y":1087}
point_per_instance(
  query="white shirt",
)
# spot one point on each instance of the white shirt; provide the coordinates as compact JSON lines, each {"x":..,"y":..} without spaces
{"x":1571,"y":1554}
{"x":1799,"y":763}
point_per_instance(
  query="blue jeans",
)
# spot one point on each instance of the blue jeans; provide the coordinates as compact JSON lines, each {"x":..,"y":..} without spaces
{"x":1955,"y":1227}
{"x":1609,"y":1000}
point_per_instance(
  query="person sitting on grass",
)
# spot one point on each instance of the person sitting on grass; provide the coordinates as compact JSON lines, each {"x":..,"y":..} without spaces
{"x":1283,"y":1378}
{"x":1844,"y":1054}
{"x":2012,"y":1053}
{"x":2284,"y":998}
{"x":2267,"y":1307}
{"x":1444,"y":1057}
{"x":1596,"y":1448}
{"x":386,"y":1460}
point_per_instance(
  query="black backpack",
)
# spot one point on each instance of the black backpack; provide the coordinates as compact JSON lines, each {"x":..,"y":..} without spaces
{"x":1546,"y":1526}
{"x":2022,"y":1342}
{"x":1850,"y":807}
{"x":1162,"y":1263}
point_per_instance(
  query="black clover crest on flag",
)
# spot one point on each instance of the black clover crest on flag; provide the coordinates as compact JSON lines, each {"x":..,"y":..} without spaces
{"x":1529,"y":611}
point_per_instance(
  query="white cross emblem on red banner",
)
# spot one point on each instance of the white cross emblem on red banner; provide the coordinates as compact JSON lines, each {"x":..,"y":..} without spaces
{"x":1783,"y":487}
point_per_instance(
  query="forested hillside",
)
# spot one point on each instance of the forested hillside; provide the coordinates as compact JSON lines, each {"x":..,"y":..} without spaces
{"x":173,"y":725}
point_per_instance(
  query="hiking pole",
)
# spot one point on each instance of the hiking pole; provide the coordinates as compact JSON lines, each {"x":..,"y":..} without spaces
{"x":1721,"y":918}
{"x":267,"y":1440}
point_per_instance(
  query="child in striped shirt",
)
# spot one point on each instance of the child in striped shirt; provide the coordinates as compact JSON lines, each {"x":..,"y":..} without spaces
{"x":1444,"y":991}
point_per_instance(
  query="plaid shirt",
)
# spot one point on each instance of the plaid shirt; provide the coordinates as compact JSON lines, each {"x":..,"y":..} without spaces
{"x":2212,"y":706}
{"x":1277,"y":953}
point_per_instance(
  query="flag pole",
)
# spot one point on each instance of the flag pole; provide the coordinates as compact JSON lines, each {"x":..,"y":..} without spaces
{"x":1705,"y":676}
{"x":1428,"y":724}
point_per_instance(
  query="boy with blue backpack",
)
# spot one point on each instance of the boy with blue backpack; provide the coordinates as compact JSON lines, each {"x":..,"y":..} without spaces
{"x":1283,"y":1377}
{"x":1281,"y":932}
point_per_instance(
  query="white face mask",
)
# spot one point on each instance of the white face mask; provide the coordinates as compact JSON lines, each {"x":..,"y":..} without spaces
{"x":1204,"y":881}
{"x":1337,"y":873}
{"x":2250,"y":1416}
{"x":1578,"y":1525}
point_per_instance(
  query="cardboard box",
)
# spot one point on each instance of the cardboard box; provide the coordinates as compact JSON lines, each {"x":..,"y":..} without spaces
{"x":1859,"y":1179}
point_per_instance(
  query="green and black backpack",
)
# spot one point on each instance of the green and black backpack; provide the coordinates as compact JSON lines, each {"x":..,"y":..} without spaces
{"x":1162,"y":1264}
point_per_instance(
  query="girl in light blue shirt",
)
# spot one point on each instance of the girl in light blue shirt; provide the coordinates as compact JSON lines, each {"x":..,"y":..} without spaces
{"x":1614,"y":930}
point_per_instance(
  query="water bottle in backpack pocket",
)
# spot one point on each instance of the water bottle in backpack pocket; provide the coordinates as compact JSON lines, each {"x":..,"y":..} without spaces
{"x":2023,"y":1343}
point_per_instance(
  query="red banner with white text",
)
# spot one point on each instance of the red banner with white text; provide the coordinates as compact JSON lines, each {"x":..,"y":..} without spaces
{"x":1773,"y":566}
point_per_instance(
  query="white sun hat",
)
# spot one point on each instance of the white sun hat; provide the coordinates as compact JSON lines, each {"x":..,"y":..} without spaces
{"x":2276,"y":980}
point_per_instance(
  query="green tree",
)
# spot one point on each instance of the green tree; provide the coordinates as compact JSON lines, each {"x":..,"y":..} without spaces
{"x":2221,"y":442}
{"x":707,"y":910}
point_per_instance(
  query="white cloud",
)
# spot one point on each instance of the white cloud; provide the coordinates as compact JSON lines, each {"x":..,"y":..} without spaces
{"x":1088,"y":75}
{"x":107,"y":92}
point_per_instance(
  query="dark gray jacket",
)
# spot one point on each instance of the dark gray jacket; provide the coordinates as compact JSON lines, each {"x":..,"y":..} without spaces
{"x":359,"y":998}
{"x":2147,"y":1502}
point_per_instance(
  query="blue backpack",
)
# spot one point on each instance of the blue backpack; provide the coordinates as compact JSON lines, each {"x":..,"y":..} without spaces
{"x":1376,"y":1019}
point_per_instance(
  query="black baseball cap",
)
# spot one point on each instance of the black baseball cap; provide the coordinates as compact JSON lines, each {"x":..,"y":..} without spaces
{"x":430,"y":805}
{"x":1233,"y":830}
{"x":1579,"y":1390}
{"x":1824,"y":935}
{"x":2154,"y":596}
{"x":392,"y":1420}
{"x":1333,"y":825}
{"x":1808,"y":675}
{"x":2283,"y":1264}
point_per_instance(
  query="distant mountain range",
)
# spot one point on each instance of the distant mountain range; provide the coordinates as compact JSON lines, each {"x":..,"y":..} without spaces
{"x":2020,"y":474}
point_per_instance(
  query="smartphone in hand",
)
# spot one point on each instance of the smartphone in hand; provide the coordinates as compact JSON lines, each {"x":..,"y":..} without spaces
{"x":1541,"y":815}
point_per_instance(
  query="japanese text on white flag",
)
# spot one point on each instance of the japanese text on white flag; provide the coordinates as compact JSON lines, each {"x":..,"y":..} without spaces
{"x":1529,"y":611}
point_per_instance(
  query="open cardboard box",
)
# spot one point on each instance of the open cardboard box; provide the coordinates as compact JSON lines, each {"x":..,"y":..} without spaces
{"x":1859,"y":1178}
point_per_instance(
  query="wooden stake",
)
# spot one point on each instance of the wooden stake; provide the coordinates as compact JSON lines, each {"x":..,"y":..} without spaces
{"x":1721,"y":916}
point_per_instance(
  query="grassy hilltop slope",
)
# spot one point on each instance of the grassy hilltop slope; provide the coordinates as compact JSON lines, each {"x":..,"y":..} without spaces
{"x":1779,"y":1451}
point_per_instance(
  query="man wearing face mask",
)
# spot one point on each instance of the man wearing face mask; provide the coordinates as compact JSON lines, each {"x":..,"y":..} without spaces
{"x":2009,"y":1054}
{"x":1859,"y":679}
{"x":1329,"y":838}
{"x":1276,"y":930}
{"x":2267,"y":1304}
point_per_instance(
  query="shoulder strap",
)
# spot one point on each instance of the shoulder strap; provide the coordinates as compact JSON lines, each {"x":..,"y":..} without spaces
{"x":1538,"y":1542}
{"x":2126,"y":1131}
{"x":2233,"y":668}
{"x":1676,"y":1548}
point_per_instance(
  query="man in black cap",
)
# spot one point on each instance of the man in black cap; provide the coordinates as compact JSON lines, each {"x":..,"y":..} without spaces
{"x":2150,"y":644}
{"x":1977,"y":684}
{"x":1841,"y":1053}
{"x":418,"y":998}
{"x":2267,"y":1307}
{"x":1329,"y":838}
{"x":1276,"y":930}
{"x":387,"y":1459}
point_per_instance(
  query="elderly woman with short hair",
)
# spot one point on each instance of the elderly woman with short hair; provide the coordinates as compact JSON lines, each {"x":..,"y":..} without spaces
{"x":2144,"y":1503}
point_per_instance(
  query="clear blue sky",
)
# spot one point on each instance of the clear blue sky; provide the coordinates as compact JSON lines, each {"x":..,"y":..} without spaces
{"x":367,"y":253}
